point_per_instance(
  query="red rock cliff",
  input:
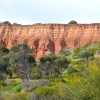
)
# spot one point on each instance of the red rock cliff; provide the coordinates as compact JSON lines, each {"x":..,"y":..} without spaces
{"x":49,"y":38}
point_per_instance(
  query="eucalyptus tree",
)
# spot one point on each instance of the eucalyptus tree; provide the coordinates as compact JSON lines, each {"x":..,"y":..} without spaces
{"x":3,"y":50}
{"x":47,"y":68}
{"x":9,"y":60}
{"x":39,"y":69}
{"x":48,"y":64}
{"x":25,"y":63}
{"x":87,"y":55}
{"x":24,"y":60}
{"x":61,"y":63}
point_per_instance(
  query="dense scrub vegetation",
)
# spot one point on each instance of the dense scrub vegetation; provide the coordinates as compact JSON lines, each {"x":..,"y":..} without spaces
{"x":8,"y":23}
{"x":73,"y":74}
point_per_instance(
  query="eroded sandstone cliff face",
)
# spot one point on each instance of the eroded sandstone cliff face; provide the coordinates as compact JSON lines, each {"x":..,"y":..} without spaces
{"x":49,"y":38}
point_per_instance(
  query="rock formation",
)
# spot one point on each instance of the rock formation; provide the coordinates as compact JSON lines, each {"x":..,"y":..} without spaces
{"x":49,"y":38}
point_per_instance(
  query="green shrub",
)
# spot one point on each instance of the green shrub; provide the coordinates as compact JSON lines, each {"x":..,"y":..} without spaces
{"x":46,"y":90}
{"x":72,"y":22}
{"x":86,"y":86}
{"x":14,"y":83}
{"x":54,"y":92}
{"x":19,"y":96}
{"x":2,"y":76}
{"x":16,"y":88}
{"x":92,"y":50}
{"x":86,"y":45}
{"x":65,"y":52}
{"x":2,"y":84}
{"x":76,"y":52}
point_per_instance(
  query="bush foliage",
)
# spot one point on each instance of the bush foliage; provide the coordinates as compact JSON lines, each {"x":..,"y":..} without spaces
{"x":65,"y":76}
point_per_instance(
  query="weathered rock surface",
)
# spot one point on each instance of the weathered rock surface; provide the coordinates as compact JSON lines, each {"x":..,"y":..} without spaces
{"x":49,"y":38}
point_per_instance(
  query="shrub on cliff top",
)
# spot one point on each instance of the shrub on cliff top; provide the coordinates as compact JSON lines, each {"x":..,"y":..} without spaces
{"x":72,"y":22}
{"x":7,"y":22}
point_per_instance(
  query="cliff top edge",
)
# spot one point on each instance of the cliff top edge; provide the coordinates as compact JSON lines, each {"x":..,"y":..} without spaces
{"x":50,"y":24}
